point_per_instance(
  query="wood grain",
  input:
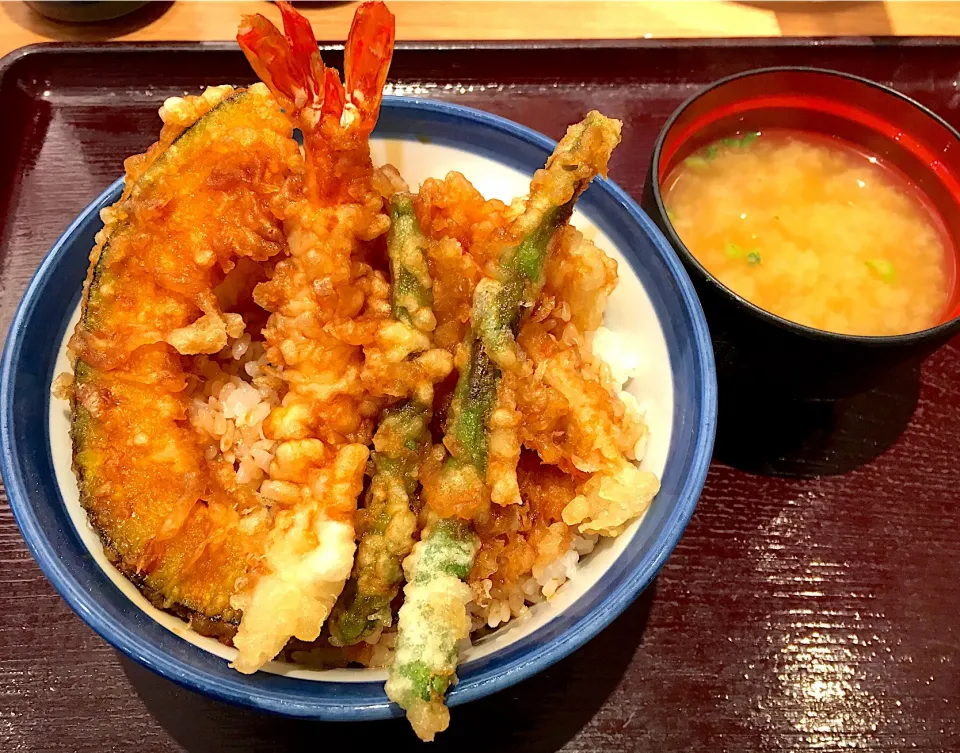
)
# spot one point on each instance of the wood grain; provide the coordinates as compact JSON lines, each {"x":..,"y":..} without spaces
{"x":811,"y":611}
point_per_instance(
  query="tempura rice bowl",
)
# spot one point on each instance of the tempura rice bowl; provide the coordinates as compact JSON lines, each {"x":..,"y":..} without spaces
{"x":653,"y":314}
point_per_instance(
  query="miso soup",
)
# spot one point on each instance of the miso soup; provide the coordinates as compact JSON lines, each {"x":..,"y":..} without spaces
{"x":813,"y":231}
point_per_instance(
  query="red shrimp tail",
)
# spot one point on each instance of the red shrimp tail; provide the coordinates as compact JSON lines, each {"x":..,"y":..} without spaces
{"x":290,"y":65}
{"x":367,"y":57}
{"x":334,"y":97}
{"x":303,"y":43}
{"x":271,"y":58}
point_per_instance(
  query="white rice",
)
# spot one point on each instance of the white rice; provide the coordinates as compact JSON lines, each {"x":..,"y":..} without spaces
{"x":230,"y":406}
{"x":494,"y":608}
{"x":625,"y":364}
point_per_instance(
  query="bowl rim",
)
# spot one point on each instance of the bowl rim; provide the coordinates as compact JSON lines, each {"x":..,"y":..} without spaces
{"x":139,"y":648}
{"x":768,"y":317}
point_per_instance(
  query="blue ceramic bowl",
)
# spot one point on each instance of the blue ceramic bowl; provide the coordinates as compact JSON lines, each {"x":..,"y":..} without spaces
{"x":27,"y":369}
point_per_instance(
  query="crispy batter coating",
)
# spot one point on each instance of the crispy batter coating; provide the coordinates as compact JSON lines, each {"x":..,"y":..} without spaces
{"x":308,"y":557}
{"x":254,"y":311}
{"x":517,"y":538}
{"x":193,"y":205}
{"x":572,"y":415}
{"x":328,"y":305}
{"x":460,"y":221}
{"x":564,"y":408}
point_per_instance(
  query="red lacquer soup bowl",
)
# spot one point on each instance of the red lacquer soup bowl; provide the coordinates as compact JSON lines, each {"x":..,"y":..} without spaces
{"x":756,"y":347}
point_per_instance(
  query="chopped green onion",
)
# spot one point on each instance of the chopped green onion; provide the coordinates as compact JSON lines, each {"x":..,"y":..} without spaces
{"x":733,"y":251}
{"x":884,"y":269}
{"x":732,"y":142}
{"x":671,"y":217}
{"x":753,"y":258}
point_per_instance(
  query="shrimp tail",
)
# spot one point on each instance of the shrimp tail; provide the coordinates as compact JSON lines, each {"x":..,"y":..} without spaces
{"x":303,"y":45}
{"x":367,"y":57}
{"x":289,"y":63}
{"x":334,"y":97}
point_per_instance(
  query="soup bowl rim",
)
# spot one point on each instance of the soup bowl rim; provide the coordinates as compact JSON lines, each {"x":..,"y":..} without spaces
{"x":813,"y":333}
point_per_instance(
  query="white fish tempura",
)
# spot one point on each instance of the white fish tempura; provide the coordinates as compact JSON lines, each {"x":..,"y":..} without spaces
{"x":308,"y":559}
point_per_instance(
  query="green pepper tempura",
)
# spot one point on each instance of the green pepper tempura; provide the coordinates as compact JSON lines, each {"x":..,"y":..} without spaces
{"x":434,"y":617}
{"x":433,"y":620}
{"x":387,"y":521}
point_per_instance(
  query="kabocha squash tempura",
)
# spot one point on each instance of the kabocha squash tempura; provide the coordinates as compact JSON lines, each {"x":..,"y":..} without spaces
{"x":318,"y":414}
{"x":193,"y":217}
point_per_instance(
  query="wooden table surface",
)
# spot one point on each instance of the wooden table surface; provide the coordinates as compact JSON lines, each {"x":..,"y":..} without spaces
{"x":812,"y":611}
{"x":465,"y":19}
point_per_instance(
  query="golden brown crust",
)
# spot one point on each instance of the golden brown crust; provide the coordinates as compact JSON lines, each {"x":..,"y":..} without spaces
{"x":195,"y":204}
{"x":220,"y":628}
